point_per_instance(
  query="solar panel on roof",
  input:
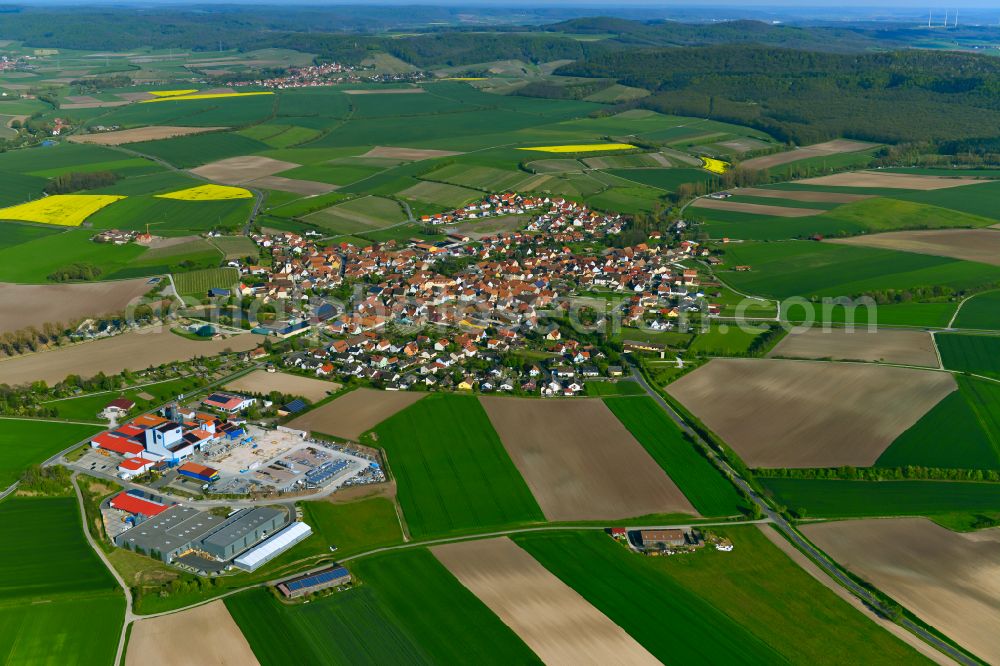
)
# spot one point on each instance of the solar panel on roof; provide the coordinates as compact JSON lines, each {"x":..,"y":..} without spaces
{"x":316,"y":579}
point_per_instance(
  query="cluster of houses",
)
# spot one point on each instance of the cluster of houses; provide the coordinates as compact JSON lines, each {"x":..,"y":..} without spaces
{"x":152,"y":441}
{"x":303,"y":77}
{"x":496,"y":297}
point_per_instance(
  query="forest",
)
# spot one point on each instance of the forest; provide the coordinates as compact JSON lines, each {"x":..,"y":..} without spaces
{"x":808,"y":96}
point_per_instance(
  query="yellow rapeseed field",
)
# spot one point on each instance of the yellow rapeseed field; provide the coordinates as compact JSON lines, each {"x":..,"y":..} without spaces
{"x":208,"y":192}
{"x":581,"y":148}
{"x":172,"y":93}
{"x":714,"y":165}
{"x":68,"y":210}
{"x":178,"y":98}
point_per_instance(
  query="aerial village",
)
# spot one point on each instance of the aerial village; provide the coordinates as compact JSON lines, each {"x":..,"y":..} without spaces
{"x":454,"y":313}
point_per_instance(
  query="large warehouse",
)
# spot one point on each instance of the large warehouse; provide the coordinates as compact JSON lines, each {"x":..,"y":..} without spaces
{"x":182,"y":529}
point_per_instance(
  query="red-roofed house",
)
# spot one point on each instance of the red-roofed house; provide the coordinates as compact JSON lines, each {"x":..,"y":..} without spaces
{"x":227,"y":402}
{"x":118,"y":407}
{"x":111,"y":442}
{"x":137,"y":506}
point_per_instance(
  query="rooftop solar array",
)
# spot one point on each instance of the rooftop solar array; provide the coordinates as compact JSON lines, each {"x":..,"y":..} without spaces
{"x":317,"y":579}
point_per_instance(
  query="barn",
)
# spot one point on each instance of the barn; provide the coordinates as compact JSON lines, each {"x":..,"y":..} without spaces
{"x":320,"y":580}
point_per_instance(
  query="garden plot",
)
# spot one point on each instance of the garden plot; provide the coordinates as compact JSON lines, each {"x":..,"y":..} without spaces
{"x":263,"y":382}
{"x":982,"y":245}
{"x":809,"y":414}
{"x":580,"y":462}
{"x":23,"y":305}
{"x":843,"y":344}
{"x":558,"y":624}
{"x":151,"y":133}
{"x":755,"y":209}
{"x":355,"y":413}
{"x":949,"y":580}
{"x":885,"y":179}
{"x":816,"y":150}
{"x":210,"y":637}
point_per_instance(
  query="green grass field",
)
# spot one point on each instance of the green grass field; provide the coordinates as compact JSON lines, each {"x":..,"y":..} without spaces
{"x":51,"y":576}
{"x":822,"y":498}
{"x":86,"y":408}
{"x":804,"y":268}
{"x":936,"y":314}
{"x":960,"y":432}
{"x":404,"y":611}
{"x":453,"y":472}
{"x":190,"y":151}
{"x":24,"y":442}
{"x":701,"y":483}
{"x":484,"y":178}
{"x":664,"y":179}
{"x":197,"y":283}
{"x":982,"y":312}
{"x":747,"y":226}
{"x":352,"y":527}
{"x":977,"y":199}
{"x":35,"y":259}
{"x":979,"y":354}
{"x":752,"y":605}
{"x":612,"y":389}
{"x":442,"y":195}
{"x":732,"y":341}
{"x":877,"y":215}
{"x":363,"y":213}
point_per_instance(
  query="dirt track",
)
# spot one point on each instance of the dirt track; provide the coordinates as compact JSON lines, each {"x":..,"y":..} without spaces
{"x":135,"y":351}
{"x":949,"y":580}
{"x":809,"y":414}
{"x":23,"y":305}
{"x":900,"y":181}
{"x":203,"y":635}
{"x":755,"y":209}
{"x":887,"y":345}
{"x":816,"y":150}
{"x":982,"y":245}
{"x":355,"y":413}
{"x":801,"y":195}
{"x":580,"y":462}
{"x":152,"y":133}
{"x":261,"y":381}
{"x":558,"y":624}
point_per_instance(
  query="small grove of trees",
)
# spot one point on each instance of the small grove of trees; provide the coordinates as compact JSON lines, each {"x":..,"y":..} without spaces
{"x":40,"y":480}
{"x":75,"y":271}
{"x":76,"y":181}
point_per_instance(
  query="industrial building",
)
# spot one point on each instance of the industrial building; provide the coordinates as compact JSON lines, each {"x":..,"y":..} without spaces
{"x":182,"y":529}
{"x":228,"y":403}
{"x":276,"y":545}
{"x":314,"y":582}
{"x":242,"y":531}
{"x":198,"y":472}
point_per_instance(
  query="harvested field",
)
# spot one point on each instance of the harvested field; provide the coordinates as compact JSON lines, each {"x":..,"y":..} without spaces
{"x":87,"y":105}
{"x":580,"y":462}
{"x":262,"y":381}
{"x":385,"y":91}
{"x":949,"y":580}
{"x":755,"y":209}
{"x":152,"y":133}
{"x":982,"y":245}
{"x":210,"y":637}
{"x":558,"y":624}
{"x":134,"y":350}
{"x":409,"y":154}
{"x":23,"y":305}
{"x":842,"y":344}
{"x":802,"y":414}
{"x":239,"y":170}
{"x":810,"y":568}
{"x":883,"y":179}
{"x":135,"y":96}
{"x":816,"y":150}
{"x":355,"y":413}
{"x":801,"y":195}
{"x":294,"y":185}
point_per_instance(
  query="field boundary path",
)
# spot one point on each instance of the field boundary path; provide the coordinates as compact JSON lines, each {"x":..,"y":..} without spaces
{"x":129,"y":615}
{"x":804,"y":545}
